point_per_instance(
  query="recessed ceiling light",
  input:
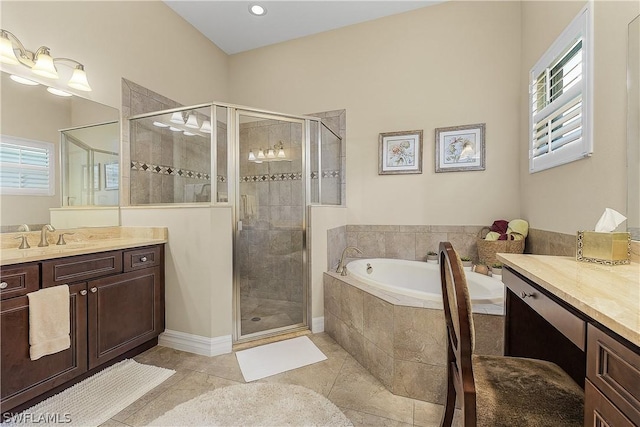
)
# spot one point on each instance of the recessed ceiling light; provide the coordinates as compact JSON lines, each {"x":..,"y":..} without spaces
{"x":22,"y":80}
{"x":58,"y":92}
{"x":256,"y":9}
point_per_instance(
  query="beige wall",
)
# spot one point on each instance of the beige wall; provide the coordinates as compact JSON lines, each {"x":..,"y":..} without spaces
{"x":451,"y":64}
{"x":572,"y":197}
{"x":144,"y":41}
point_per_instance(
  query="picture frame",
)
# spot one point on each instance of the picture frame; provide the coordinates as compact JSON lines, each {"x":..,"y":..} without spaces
{"x":460,"y":148}
{"x":400,"y":152}
{"x":111,"y":176}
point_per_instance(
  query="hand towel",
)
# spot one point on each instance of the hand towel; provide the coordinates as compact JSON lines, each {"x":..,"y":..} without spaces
{"x":519,"y":226}
{"x":49,"y":321}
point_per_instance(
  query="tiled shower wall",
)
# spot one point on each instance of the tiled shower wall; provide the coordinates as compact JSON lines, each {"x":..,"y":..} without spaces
{"x":270,"y":243}
{"x":334,"y":157}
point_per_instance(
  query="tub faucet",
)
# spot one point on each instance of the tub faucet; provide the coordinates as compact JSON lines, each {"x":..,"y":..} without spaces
{"x":342,"y":269}
{"x":43,"y":235}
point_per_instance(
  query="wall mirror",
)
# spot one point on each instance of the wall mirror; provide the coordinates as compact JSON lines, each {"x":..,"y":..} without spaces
{"x":83,"y":137}
{"x":633,"y":130}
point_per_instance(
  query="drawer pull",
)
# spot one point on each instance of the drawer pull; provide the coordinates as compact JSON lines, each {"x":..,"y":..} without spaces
{"x":143,"y":259}
{"x":94,"y":290}
{"x":4,"y":285}
{"x":524,"y":295}
{"x":83,"y":292}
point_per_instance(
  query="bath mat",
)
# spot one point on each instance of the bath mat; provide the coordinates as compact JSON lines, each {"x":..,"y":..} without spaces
{"x":257,"y":404}
{"x":277,"y":357}
{"x":96,"y":399}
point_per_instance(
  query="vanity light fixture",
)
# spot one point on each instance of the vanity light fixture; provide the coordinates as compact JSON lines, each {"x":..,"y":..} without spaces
{"x":252,"y":157}
{"x":271,"y":154}
{"x":257,"y":10}
{"x":40,"y":62}
{"x":261,"y":154}
{"x":275,"y":153}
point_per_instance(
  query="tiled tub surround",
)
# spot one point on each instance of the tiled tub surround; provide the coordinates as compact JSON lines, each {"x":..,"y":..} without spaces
{"x":411,"y":242}
{"x":399,"y":339}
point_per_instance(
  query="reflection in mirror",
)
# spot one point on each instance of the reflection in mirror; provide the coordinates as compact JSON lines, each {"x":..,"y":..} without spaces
{"x":31,"y":114}
{"x":633,"y":130}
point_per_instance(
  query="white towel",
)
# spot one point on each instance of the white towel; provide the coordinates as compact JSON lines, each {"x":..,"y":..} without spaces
{"x":49,"y":321}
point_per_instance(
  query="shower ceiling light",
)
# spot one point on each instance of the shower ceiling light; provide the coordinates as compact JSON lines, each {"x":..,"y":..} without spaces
{"x":177,"y":118}
{"x":206,"y":127}
{"x":257,"y":10}
{"x":192,"y":122}
{"x":40,"y":62}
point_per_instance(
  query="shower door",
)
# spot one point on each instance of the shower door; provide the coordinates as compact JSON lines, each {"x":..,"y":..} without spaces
{"x":270,"y":248}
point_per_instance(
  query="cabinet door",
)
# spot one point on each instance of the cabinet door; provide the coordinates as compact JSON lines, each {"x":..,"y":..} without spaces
{"x":125,"y":311}
{"x":23,"y":379}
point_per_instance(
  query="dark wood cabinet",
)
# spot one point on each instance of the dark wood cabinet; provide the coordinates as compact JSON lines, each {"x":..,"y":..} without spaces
{"x":124,"y":312}
{"x":22,"y":378}
{"x":112,"y":313}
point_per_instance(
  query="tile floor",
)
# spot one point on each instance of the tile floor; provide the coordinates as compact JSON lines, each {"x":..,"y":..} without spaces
{"x":340,"y":378}
{"x":272,"y":314}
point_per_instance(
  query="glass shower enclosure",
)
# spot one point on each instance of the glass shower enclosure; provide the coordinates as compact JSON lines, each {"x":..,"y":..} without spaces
{"x":268,"y":168}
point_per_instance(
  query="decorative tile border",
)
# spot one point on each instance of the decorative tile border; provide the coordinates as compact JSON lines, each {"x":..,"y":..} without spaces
{"x":172,"y":170}
{"x":291,"y":176}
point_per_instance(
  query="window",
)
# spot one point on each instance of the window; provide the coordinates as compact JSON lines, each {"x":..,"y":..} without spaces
{"x":26,"y":167}
{"x":560,"y":99}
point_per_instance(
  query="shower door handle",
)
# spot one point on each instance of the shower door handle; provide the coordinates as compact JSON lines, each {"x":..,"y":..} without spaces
{"x":239,"y":225}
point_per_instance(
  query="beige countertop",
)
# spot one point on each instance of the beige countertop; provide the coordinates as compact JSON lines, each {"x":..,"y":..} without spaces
{"x":608,"y":294}
{"x":82,"y":241}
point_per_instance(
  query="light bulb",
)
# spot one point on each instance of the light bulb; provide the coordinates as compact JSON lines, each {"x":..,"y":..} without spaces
{"x":252,"y":157}
{"x":7,"y":55}
{"x":206,"y":127}
{"x":192,"y":122}
{"x":79,"y":79}
{"x":177,"y":118}
{"x":44,"y":65}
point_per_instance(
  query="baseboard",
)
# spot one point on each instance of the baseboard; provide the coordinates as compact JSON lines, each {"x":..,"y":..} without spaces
{"x":317,"y":325}
{"x":195,"y":343}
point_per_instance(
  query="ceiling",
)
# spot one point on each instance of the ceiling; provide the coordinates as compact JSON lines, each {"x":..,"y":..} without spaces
{"x":233,"y":29}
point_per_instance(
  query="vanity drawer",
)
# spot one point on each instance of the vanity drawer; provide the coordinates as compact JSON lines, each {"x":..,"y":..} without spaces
{"x":570,"y":325}
{"x":18,"y":280}
{"x":81,"y":267}
{"x":615,"y":370}
{"x":139,"y":258}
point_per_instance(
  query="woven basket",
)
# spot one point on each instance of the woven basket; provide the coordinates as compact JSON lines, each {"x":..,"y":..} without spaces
{"x":487,"y":249}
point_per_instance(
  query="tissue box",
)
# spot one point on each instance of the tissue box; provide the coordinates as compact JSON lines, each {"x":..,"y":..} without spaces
{"x":604,"y":248}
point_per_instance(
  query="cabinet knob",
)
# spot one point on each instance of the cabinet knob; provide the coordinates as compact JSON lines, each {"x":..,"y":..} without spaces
{"x":94,"y":290}
{"x":524,"y":295}
{"x":143,"y":259}
{"x":83,"y":292}
{"x":4,"y":285}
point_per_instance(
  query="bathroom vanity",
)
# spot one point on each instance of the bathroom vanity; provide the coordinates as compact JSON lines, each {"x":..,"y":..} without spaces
{"x":584,"y":317}
{"x":116,"y":287}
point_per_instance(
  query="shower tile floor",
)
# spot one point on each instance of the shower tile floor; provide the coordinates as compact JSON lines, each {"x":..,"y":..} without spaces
{"x":363,"y":399}
{"x":272,"y":314}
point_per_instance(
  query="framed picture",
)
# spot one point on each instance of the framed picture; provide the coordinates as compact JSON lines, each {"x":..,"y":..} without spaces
{"x":111,"y":176}
{"x":460,"y":148}
{"x":96,"y":177}
{"x":400,"y":152}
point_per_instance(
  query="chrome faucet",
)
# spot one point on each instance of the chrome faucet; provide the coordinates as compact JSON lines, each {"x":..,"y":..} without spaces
{"x":342,"y":269}
{"x":43,"y":235}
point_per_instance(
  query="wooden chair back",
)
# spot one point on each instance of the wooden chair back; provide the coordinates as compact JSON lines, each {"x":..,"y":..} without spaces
{"x":459,"y":323}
